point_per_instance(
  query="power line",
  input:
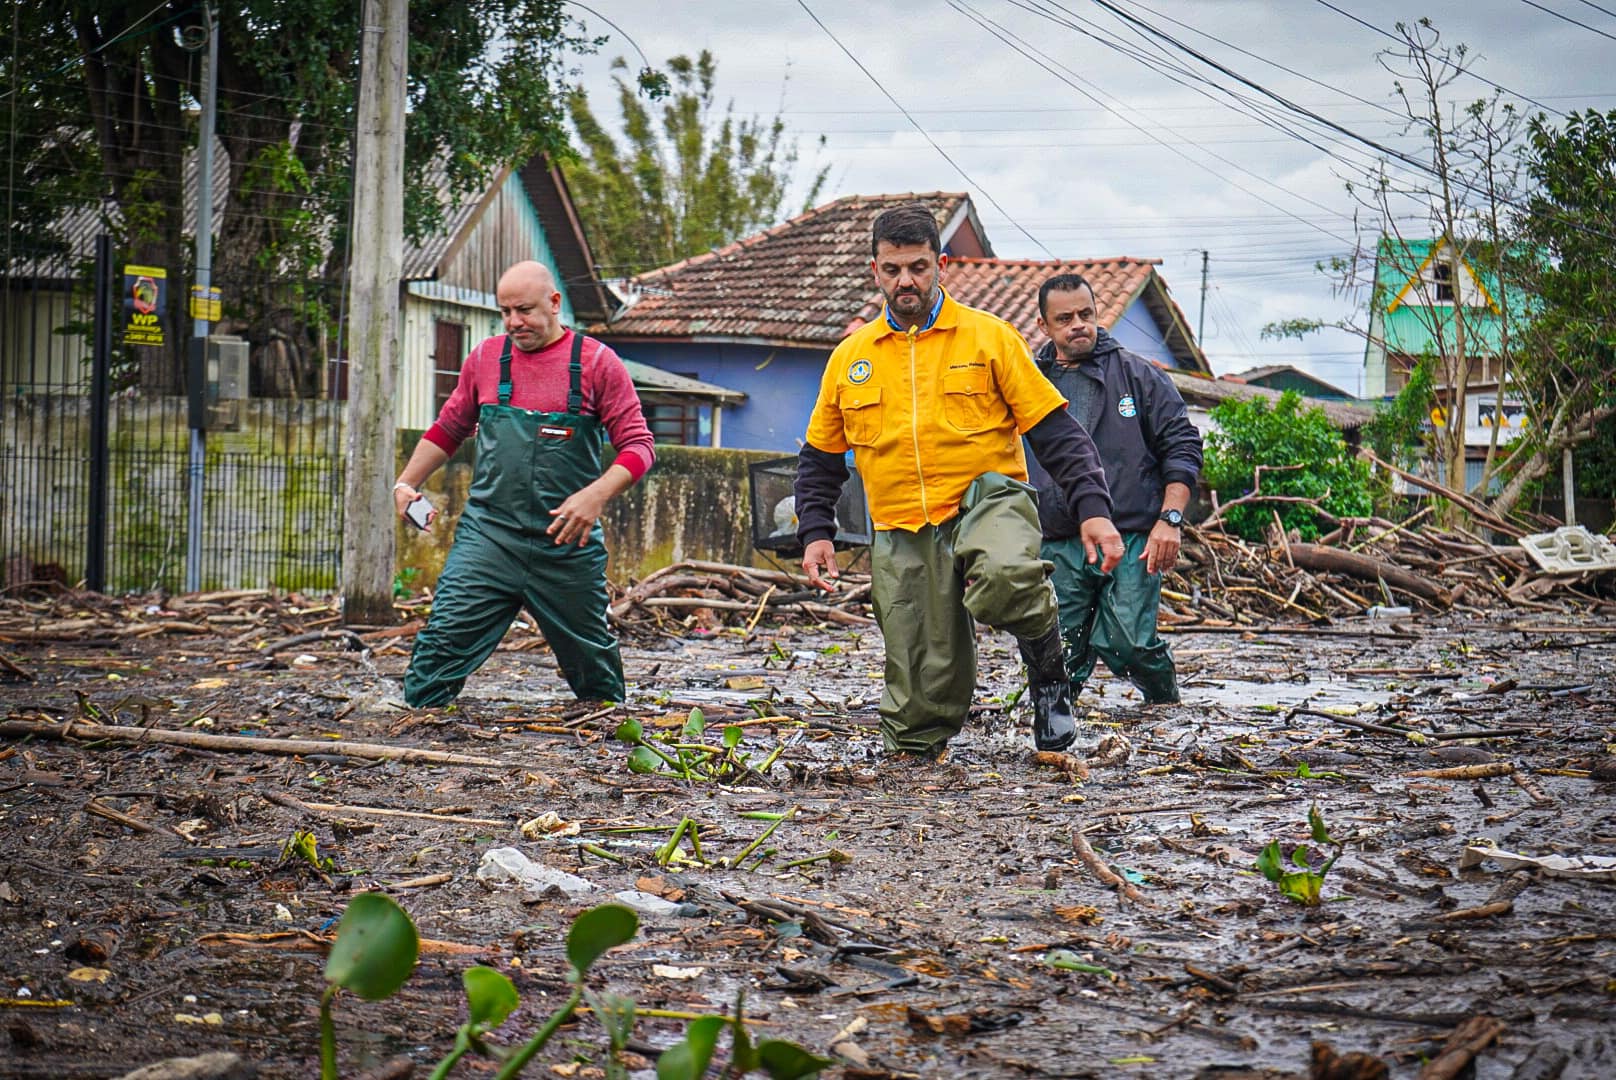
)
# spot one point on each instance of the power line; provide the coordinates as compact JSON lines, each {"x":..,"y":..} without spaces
{"x":1596,"y":7}
{"x":1569,"y":19}
{"x":941,"y":152}
{"x":1055,"y":68}
{"x":1472,"y":74}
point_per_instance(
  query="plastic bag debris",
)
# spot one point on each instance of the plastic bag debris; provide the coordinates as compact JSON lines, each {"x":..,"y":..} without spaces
{"x":506,"y":865}
{"x":1579,"y":867}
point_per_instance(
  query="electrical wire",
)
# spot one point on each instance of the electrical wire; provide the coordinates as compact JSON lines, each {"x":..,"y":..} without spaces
{"x":1055,"y":68}
{"x":941,"y":152}
{"x":1569,"y":19}
{"x":1480,"y":78}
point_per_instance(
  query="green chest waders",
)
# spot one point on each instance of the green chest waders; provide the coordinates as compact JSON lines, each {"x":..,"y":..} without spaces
{"x":527,"y":464}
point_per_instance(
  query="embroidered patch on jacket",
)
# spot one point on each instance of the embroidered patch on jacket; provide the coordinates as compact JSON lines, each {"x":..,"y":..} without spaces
{"x":1126,"y":408}
{"x":859,"y":371}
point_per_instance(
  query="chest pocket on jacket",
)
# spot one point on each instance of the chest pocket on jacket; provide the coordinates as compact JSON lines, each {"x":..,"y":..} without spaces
{"x":861,"y":414}
{"x":967,"y":405}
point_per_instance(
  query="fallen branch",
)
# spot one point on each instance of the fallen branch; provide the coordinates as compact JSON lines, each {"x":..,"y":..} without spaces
{"x":1097,"y":867}
{"x":197,"y":740}
{"x":1466,"y":1041}
{"x":1366,"y":568}
{"x":1466,"y":772}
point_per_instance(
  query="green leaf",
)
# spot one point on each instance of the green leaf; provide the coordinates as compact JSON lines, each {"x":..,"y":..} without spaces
{"x":1315,"y":821}
{"x":733,"y":734}
{"x":629,"y":731}
{"x":695,"y":724}
{"x":688,"y":1058}
{"x":787,"y":1061}
{"x":643,"y":759}
{"x":490,"y":997}
{"x":375,"y":949}
{"x":1299,"y":857}
{"x":1270,"y":864}
{"x":597,"y":930}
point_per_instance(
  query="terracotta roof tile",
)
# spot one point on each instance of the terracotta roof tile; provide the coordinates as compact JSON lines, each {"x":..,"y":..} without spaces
{"x":1009,"y":289}
{"x":800,"y":282}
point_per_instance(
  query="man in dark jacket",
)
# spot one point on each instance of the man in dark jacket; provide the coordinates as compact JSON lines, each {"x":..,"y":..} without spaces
{"x":1152,"y":455}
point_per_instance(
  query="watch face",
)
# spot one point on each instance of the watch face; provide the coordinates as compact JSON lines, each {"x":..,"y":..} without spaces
{"x":1172,"y":517}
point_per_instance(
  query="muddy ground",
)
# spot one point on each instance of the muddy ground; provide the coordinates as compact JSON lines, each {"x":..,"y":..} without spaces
{"x":927,"y":952}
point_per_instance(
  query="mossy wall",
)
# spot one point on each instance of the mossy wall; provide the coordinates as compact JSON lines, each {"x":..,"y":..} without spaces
{"x":692,"y":505}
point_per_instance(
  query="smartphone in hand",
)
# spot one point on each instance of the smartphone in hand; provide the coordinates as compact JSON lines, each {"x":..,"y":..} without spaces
{"x":419,"y":512}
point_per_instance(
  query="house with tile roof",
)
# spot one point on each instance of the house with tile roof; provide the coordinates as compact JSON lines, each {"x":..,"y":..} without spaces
{"x":761,"y":315}
{"x":1289,"y":377}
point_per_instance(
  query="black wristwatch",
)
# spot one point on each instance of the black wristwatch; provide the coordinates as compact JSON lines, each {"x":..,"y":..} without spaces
{"x":1175,"y":518}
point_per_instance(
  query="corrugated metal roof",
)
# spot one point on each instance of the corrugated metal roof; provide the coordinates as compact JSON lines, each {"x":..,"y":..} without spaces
{"x":655,"y":379}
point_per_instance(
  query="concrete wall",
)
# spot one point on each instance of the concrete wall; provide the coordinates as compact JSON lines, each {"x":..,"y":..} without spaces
{"x":693,"y":505}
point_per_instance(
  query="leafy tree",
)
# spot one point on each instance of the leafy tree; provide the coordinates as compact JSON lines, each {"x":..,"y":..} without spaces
{"x":1302,"y":455}
{"x":105,"y":102}
{"x":1458,"y":188}
{"x":685,"y":185}
{"x":1566,"y":233}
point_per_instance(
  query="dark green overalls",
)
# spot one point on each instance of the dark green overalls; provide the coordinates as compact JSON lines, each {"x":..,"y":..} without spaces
{"x":527,"y":464}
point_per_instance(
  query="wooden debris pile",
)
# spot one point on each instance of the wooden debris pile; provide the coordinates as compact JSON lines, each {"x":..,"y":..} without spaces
{"x":1365,"y":566}
{"x":705,"y":595}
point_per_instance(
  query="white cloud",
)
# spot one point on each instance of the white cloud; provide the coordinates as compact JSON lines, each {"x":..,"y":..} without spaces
{"x":1081,"y":179}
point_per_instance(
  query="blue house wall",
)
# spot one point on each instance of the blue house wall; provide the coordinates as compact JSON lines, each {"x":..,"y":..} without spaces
{"x":780,"y":385}
{"x":1137,"y":332}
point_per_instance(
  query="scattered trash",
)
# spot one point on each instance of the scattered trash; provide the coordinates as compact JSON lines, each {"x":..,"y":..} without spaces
{"x":1571,"y":549}
{"x":668,"y":971}
{"x":650,"y":904}
{"x":1580,"y":867}
{"x":548,"y":823}
{"x":507,"y":865}
{"x":1383,"y":611}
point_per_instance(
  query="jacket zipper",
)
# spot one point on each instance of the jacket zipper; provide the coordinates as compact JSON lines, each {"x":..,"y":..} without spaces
{"x":914,"y":426}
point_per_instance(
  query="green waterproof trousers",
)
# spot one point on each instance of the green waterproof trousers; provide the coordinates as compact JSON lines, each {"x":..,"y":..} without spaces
{"x":927,"y":586}
{"x":527,"y":463}
{"x":1112,"y":617}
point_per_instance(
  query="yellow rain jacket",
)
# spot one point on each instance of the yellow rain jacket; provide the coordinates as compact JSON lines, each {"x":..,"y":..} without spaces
{"x":926,"y":413}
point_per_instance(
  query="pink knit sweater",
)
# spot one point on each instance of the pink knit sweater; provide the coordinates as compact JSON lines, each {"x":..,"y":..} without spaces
{"x":539,"y":382}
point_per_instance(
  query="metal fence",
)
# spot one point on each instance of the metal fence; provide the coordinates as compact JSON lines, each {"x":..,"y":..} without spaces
{"x":96,"y":449}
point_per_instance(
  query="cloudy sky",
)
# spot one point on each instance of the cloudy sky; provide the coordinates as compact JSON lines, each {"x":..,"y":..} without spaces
{"x":1081,"y":135}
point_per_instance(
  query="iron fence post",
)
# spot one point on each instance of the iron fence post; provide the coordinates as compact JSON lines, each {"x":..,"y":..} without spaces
{"x":95,"y":541}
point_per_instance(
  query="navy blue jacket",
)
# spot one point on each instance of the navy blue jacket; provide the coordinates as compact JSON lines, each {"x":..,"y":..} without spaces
{"x":1141,"y":428}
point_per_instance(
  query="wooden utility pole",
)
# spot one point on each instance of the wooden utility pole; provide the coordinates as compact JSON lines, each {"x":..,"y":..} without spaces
{"x":378,"y":259}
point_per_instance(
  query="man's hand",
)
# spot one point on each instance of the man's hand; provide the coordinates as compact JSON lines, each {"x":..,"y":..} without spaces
{"x":576,"y":515}
{"x":403,"y":495}
{"x":1101,"y":541}
{"x":821,"y":555}
{"x":1161,"y":550}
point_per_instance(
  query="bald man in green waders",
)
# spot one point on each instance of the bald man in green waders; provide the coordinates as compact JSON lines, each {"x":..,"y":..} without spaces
{"x":542,"y":400}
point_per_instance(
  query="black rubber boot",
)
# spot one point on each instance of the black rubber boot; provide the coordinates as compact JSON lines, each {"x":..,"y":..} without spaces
{"x":1053,"y":725}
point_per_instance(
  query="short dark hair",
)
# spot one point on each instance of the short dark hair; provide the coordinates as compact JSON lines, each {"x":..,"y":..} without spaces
{"x":911,"y":223}
{"x":1061,"y":283}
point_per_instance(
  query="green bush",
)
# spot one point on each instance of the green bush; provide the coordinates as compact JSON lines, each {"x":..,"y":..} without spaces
{"x":1303,"y":454}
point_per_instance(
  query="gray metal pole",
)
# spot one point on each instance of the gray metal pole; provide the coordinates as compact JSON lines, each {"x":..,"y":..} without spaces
{"x":1200,"y":321}
{"x":204,"y":279}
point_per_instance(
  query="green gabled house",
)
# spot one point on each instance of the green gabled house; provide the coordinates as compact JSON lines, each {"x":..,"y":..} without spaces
{"x":1419,"y":286}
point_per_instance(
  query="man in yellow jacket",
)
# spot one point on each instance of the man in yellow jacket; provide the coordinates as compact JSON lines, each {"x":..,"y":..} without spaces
{"x":933,"y":399}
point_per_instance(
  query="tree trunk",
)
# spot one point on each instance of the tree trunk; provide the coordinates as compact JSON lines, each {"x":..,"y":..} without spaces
{"x":1334,"y":560}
